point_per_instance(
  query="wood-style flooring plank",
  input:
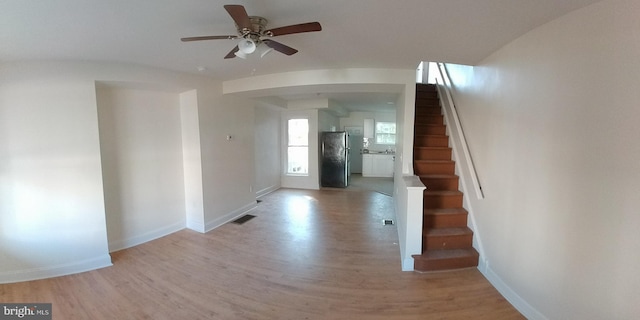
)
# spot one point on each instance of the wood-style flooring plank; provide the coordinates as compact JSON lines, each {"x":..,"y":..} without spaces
{"x":307,"y":255}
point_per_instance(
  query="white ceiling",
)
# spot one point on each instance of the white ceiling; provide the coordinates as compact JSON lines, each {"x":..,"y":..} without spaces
{"x":356,"y":33}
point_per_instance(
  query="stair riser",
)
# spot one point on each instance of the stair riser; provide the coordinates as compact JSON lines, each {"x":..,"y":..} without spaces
{"x":431,"y":141}
{"x":430,"y":130}
{"x":432,"y":154}
{"x":432,"y":119}
{"x":427,"y":110}
{"x":444,"y":220}
{"x":426,"y":94}
{"x":441,"y":183}
{"x":447,"y":242}
{"x":445,"y":264}
{"x":426,"y":88}
{"x":442,"y":201}
{"x":422,"y":168}
{"x":428,"y":102}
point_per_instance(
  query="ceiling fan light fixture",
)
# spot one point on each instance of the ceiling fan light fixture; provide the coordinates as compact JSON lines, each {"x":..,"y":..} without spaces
{"x":246,"y":46}
{"x":265,"y":51}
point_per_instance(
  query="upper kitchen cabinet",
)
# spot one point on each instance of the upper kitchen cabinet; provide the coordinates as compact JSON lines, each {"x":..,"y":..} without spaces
{"x":368,"y":128}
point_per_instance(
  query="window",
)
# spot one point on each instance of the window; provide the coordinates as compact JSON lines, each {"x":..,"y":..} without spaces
{"x":385,"y":132}
{"x":298,"y":146}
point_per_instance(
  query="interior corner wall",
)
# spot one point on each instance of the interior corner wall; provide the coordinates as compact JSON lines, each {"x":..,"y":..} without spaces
{"x":52,"y":204}
{"x":228,"y":159}
{"x":267,"y":150}
{"x":52,"y":218}
{"x":141,"y":148}
{"x":192,"y":161}
{"x":551,"y":121}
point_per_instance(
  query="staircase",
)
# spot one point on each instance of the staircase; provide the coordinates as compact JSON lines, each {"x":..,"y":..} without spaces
{"x":446,"y":239}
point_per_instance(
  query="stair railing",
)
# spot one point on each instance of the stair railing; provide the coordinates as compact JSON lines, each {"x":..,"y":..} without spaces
{"x":444,"y":84}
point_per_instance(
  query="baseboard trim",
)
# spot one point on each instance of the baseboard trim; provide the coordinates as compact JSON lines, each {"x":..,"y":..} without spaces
{"x":195,"y":226}
{"x":408,"y":264}
{"x":266,"y":191}
{"x":520,"y":304}
{"x":118,"y":245}
{"x":215,"y":223}
{"x":101,"y":261}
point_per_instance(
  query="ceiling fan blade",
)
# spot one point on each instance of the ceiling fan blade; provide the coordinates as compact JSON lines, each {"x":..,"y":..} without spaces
{"x":232,"y":53}
{"x":296,"y":28}
{"x":279,"y":47}
{"x":207,"y":38}
{"x":239,"y":15}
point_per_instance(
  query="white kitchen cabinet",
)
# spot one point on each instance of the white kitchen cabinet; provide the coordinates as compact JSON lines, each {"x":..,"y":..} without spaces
{"x":377,"y":165}
{"x":367,"y":165}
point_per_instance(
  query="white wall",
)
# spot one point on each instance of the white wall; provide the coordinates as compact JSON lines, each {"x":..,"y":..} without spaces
{"x":192,"y":160}
{"x":267,"y":149}
{"x":52,"y":218}
{"x":327,"y":121}
{"x":52,"y":209}
{"x":227,"y":164}
{"x":551,"y":120}
{"x":141,"y":148}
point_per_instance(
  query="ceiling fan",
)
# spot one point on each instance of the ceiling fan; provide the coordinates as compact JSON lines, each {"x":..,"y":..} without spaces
{"x":252,"y":32}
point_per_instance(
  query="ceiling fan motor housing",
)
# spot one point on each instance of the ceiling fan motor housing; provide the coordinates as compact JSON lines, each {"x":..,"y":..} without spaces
{"x":258,"y":26}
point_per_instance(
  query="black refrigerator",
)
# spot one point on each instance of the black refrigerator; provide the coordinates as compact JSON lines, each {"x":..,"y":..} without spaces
{"x":334,"y":159}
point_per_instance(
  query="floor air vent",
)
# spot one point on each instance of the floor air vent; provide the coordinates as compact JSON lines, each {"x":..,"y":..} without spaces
{"x":243,"y":219}
{"x":387,"y":222}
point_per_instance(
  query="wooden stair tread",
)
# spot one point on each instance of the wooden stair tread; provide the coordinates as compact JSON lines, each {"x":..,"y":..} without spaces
{"x":437,"y":181}
{"x":433,"y":161}
{"x":429,"y":125}
{"x":447,"y":254}
{"x":446,"y":259}
{"x":435,"y":149}
{"x":437,"y":176}
{"x":442,"y":192}
{"x":451,"y":231}
{"x":430,"y":135}
{"x":445,"y":211}
{"x":432,"y":148}
{"x":425,"y":87}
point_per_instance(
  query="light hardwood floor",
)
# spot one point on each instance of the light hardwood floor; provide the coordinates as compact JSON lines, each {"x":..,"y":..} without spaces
{"x":307,"y":255}
{"x":360,"y":183}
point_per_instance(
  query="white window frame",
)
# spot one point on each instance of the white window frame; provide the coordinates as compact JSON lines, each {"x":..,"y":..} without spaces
{"x":385,"y":133}
{"x":288,"y":170}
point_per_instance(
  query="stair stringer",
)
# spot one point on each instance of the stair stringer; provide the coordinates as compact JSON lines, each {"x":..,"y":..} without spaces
{"x":464,"y":176}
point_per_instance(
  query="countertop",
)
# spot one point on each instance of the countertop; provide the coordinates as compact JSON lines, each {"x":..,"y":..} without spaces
{"x":379,"y":153}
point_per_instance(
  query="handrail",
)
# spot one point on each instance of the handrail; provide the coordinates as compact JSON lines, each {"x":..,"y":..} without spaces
{"x":442,"y":79}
